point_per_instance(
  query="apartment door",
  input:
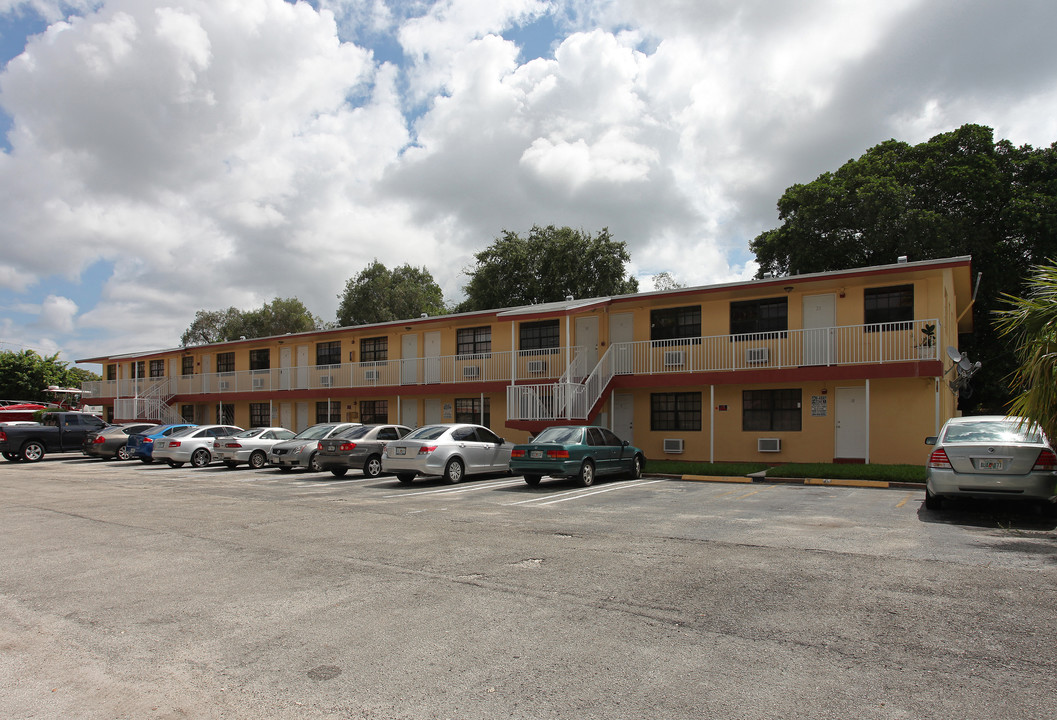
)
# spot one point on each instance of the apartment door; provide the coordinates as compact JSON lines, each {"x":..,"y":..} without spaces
{"x":433,"y":411}
{"x":285,"y":361}
{"x":820,"y":316}
{"x":621,"y":330}
{"x":409,"y":413}
{"x":207,"y":371}
{"x":302,"y":416}
{"x":432,"y":357}
{"x":587,"y":340}
{"x":285,"y":415}
{"x":850,"y":421}
{"x":409,"y":360}
{"x":302,"y":367}
{"x":624,"y":416}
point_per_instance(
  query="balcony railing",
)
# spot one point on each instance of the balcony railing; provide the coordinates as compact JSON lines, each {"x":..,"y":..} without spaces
{"x":844,"y":345}
{"x":506,"y":366}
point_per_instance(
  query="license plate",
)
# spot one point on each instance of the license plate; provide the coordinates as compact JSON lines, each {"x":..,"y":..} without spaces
{"x":535,"y":454}
{"x":401,"y":451}
{"x":989,"y":464}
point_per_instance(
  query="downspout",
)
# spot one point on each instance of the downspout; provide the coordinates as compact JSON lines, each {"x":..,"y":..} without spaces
{"x":712,"y":423}
{"x":867,"y":458}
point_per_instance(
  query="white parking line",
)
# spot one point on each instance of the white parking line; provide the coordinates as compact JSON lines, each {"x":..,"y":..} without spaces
{"x":583,"y":492}
{"x":460,"y":489}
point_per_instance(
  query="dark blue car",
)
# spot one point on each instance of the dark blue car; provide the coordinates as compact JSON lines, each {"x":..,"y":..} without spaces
{"x":141,"y":445}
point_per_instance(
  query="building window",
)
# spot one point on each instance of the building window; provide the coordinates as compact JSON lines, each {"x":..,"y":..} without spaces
{"x":473,"y":341}
{"x":328,"y":411}
{"x":759,"y":316}
{"x":374,"y":411}
{"x":328,"y":353}
{"x":157,"y":368}
{"x":675,"y":323}
{"x":187,"y":365}
{"x":260,"y":359}
{"x":260,"y":415}
{"x":111,"y":372}
{"x":226,"y":414}
{"x":675,"y":411}
{"x":139,"y":369}
{"x":468,"y":410}
{"x":187,"y":412}
{"x":540,"y":335}
{"x":893,"y":304}
{"x":374,"y":349}
{"x":770,"y":410}
{"x":225,"y":362}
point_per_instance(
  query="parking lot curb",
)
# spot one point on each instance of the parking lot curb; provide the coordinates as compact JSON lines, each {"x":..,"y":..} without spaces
{"x":717,"y":478}
{"x":832,"y":482}
{"x":847,"y":483}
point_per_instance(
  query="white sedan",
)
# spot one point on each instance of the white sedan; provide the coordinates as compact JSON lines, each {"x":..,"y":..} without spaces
{"x":250,"y":447}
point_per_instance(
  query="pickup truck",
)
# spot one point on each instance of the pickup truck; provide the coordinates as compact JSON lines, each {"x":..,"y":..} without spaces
{"x":58,"y":432}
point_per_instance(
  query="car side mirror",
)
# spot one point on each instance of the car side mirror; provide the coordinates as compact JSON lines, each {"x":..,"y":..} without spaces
{"x":625,"y":443}
{"x":931,"y":440}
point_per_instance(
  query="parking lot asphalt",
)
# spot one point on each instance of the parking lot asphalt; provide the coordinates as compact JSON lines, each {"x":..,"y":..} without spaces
{"x":145,"y":591}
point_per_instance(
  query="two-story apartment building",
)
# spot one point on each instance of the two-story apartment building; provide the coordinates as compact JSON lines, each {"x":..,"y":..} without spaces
{"x":845,"y":366}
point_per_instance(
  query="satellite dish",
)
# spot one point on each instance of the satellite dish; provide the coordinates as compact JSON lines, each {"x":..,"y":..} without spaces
{"x":953,"y":354}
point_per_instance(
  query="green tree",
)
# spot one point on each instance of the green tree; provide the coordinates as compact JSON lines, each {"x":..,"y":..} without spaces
{"x":378,"y":294}
{"x":959,"y":193}
{"x":547,"y":266}
{"x":26,"y":375}
{"x":282,"y":315}
{"x":1030,"y":322}
{"x":666,"y":281}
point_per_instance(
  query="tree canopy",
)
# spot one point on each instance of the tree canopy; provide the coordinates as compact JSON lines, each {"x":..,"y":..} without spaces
{"x":378,"y":294}
{"x":281,"y":316}
{"x":959,"y":193}
{"x":1030,"y":322}
{"x":547,"y":266}
{"x":26,"y":375}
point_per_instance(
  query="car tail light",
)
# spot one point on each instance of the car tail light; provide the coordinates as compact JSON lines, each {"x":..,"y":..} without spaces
{"x":939,"y":459}
{"x":517,"y":453}
{"x":3,"y":436}
{"x":174,"y":443}
{"x":558,"y":454}
{"x":426,"y":449}
{"x":233,"y":445}
{"x":1046,"y":462}
{"x":347,"y":447}
{"x":99,"y":440}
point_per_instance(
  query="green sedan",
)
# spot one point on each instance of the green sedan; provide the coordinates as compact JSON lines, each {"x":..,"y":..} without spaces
{"x":576,"y":451}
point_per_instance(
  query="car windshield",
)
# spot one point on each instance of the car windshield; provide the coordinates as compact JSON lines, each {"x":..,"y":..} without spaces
{"x":184,"y":431}
{"x":357,"y":431}
{"x":315,"y":432}
{"x":430,"y":432}
{"x":251,"y":433}
{"x":560,"y":435}
{"x":997,"y":431}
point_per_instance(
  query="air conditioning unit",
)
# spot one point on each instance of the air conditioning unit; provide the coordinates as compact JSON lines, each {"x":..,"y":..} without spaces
{"x":768,"y":444}
{"x":471,"y":371}
{"x":757,"y":355}
{"x":370,"y":375}
{"x":674,"y":358}
{"x":258,"y":383}
{"x":673,"y":446}
{"x":326,"y":380}
{"x":537,"y":366}
{"x":224,"y":385}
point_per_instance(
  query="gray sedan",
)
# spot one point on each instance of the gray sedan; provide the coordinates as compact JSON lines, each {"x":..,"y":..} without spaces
{"x":451,"y":451}
{"x":990,"y":456}
{"x":301,"y":450}
{"x":358,"y":447}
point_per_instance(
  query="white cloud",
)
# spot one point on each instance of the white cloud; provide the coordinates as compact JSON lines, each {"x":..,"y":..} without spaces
{"x":57,"y":314}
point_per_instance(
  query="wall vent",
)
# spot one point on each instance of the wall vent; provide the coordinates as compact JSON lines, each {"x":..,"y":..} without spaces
{"x":225,"y":385}
{"x":768,"y":444}
{"x":258,"y":383}
{"x":471,"y":371}
{"x":370,"y":375}
{"x":326,"y":380}
{"x":757,"y":355}
{"x":537,"y":366}
{"x":674,"y":358}
{"x":673,"y":446}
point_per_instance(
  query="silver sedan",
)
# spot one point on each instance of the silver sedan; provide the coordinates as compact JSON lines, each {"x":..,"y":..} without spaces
{"x":989,"y":457}
{"x":302,"y":450}
{"x":250,"y":447}
{"x":451,"y":451}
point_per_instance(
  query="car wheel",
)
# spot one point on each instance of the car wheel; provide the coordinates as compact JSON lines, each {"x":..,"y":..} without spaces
{"x":586,"y":477}
{"x":285,"y":468}
{"x":636,"y":468}
{"x":174,"y":464}
{"x":32,"y":451}
{"x":230,"y":464}
{"x":13,"y":457}
{"x":258,"y":460}
{"x":313,"y":464}
{"x":123,"y":453}
{"x":532,"y":480}
{"x":201,"y":457}
{"x":453,"y":471}
{"x":933,"y":502}
{"x":338,"y":472}
{"x":373,"y":467}
{"x":405,"y":477}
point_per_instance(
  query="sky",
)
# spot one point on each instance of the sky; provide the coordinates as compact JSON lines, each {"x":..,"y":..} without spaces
{"x":160,"y":157}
